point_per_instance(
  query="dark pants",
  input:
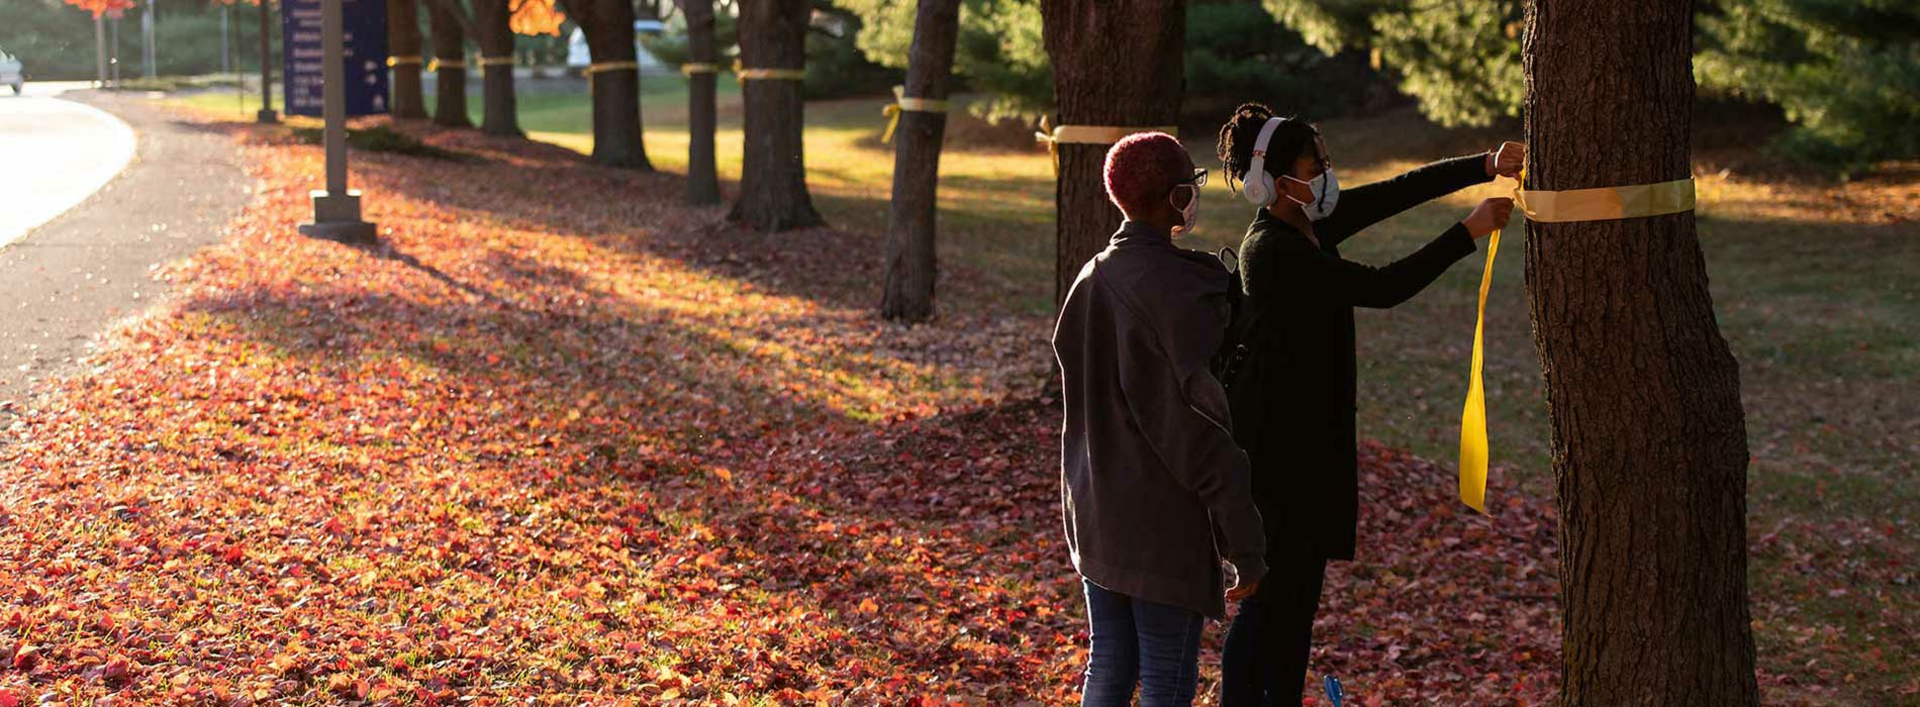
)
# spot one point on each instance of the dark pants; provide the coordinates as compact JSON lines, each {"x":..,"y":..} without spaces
{"x":1135,"y":640}
{"x":1264,"y":662}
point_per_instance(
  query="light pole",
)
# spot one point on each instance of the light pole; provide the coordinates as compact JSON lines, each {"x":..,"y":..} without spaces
{"x":226,"y":45}
{"x":266,"y":114}
{"x":100,"y":47}
{"x":336,"y":209}
{"x":114,"y":60}
{"x":146,"y":34}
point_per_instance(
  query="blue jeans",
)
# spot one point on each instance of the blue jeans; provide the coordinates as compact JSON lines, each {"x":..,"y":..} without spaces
{"x":1134,"y":640}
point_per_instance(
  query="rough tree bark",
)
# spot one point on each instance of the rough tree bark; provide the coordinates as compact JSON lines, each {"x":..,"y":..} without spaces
{"x":912,"y":266}
{"x":499,"y":114}
{"x":1085,"y":38}
{"x":1649,"y":441}
{"x":608,"y":25}
{"x":450,"y":50}
{"x":773,"y":175}
{"x":703,"y":180}
{"x":403,"y":39}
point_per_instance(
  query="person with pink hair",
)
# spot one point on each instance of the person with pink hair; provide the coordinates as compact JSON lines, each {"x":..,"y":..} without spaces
{"x":1148,"y":464}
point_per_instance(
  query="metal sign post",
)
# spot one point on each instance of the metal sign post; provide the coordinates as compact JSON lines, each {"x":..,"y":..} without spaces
{"x":336,"y":209}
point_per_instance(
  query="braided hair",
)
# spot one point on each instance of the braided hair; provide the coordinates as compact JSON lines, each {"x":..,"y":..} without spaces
{"x":1292,"y":138}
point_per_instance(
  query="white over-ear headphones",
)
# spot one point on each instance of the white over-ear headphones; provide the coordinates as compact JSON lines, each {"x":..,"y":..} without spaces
{"x":1257,"y":186}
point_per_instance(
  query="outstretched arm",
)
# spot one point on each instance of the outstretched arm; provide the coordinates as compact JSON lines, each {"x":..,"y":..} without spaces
{"x":1369,"y":204}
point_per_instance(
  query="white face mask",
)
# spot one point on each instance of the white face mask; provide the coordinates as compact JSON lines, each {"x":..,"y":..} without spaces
{"x":1326,"y":194}
{"x":1188,"y":213}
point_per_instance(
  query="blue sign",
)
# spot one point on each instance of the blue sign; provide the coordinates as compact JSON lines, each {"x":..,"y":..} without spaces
{"x":364,"y":29}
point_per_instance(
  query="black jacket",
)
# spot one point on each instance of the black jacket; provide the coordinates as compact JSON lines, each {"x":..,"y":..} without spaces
{"x":1148,"y":465}
{"x":1297,"y":416}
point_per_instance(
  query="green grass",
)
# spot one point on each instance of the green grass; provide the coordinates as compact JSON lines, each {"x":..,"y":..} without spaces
{"x":1818,"y":304}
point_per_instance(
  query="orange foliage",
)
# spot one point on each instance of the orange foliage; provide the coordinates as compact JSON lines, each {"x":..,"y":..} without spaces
{"x":111,"y":8}
{"x":533,"y":17}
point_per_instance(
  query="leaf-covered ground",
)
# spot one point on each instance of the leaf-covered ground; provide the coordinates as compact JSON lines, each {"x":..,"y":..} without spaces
{"x":561,"y":438}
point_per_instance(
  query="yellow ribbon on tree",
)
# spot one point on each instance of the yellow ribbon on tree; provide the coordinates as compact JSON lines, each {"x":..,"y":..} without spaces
{"x":497,"y":60}
{"x":409,"y":59}
{"x":439,"y":64}
{"x":1606,"y":203}
{"x":1054,"y":136}
{"x":598,"y":67}
{"x":1601,"y":204}
{"x":902,"y":103}
{"x":747,"y":74}
{"x":688,"y":70}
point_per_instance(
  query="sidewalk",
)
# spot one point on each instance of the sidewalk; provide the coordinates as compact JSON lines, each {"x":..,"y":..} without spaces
{"x":69,"y":279}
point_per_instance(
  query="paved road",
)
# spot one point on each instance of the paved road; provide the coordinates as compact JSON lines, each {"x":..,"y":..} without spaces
{"x":57,"y":153}
{"x":67,"y":280}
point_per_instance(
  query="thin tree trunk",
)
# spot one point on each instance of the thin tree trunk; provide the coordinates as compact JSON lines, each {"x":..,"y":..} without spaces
{"x":403,"y":39}
{"x":608,"y":25}
{"x":703,"y":181}
{"x":1086,"y":38}
{"x":499,"y":113}
{"x":450,"y":50}
{"x":912,"y":265}
{"x":1649,"y":441}
{"x":773,"y":177}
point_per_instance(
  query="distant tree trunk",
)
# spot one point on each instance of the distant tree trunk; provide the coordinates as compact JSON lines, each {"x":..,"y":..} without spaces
{"x":1085,"y":38}
{"x":1649,"y":441}
{"x":912,"y":266}
{"x":773,"y":178}
{"x":499,"y":113}
{"x":615,"y":84}
{"x":450,"y":51}
{"x":403,"y":39}
{"x":703,"y":181}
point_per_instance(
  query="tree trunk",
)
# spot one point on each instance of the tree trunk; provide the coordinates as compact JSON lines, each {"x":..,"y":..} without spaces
{"x":1649,"y":442}
{"x":773,"y":176}
{"x":450,"y":51}
{"x":608,"y":25}
{"x":703,"y":180}
{"x":499,"y":113}
{"x":912,"y":265}
{"x":1085,"y":38}
{"x":403,"y":39}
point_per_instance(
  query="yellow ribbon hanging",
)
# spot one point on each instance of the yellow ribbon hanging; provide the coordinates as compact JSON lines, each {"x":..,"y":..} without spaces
{"x":902,"y":103}
{"x":439,"y":64}
{"x":747,"y":74}
{"x":409,"y":59}
{"x":1086,"y":135}
{"x":688,"y":70}
{"x":1600,"y":204}
{"x":497,"y":60}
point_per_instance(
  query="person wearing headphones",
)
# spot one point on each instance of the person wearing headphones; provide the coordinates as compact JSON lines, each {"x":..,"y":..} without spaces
{"x":1292,"y":396}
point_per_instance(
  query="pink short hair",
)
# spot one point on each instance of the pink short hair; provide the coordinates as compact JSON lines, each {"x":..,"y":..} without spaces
{"x":1143,"y":167}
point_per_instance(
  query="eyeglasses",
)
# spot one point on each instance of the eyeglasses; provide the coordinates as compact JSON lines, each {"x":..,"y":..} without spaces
{"x":1199,"y":178}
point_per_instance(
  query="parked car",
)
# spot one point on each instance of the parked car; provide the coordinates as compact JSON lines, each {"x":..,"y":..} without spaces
{"x":12,"y":72}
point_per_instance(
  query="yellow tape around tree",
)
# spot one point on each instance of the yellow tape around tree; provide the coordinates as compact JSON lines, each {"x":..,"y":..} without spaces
{"x":1602,"y":204}
{"x":747,"y":74}
{"x":902,"y":103}
{"x":1086,"y":135}
{"x":409,"y":59}
{"x":439,"y":64}
{"x":497,"y":61}
{"x":604,"y":66}
{"x":688,"y":70}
